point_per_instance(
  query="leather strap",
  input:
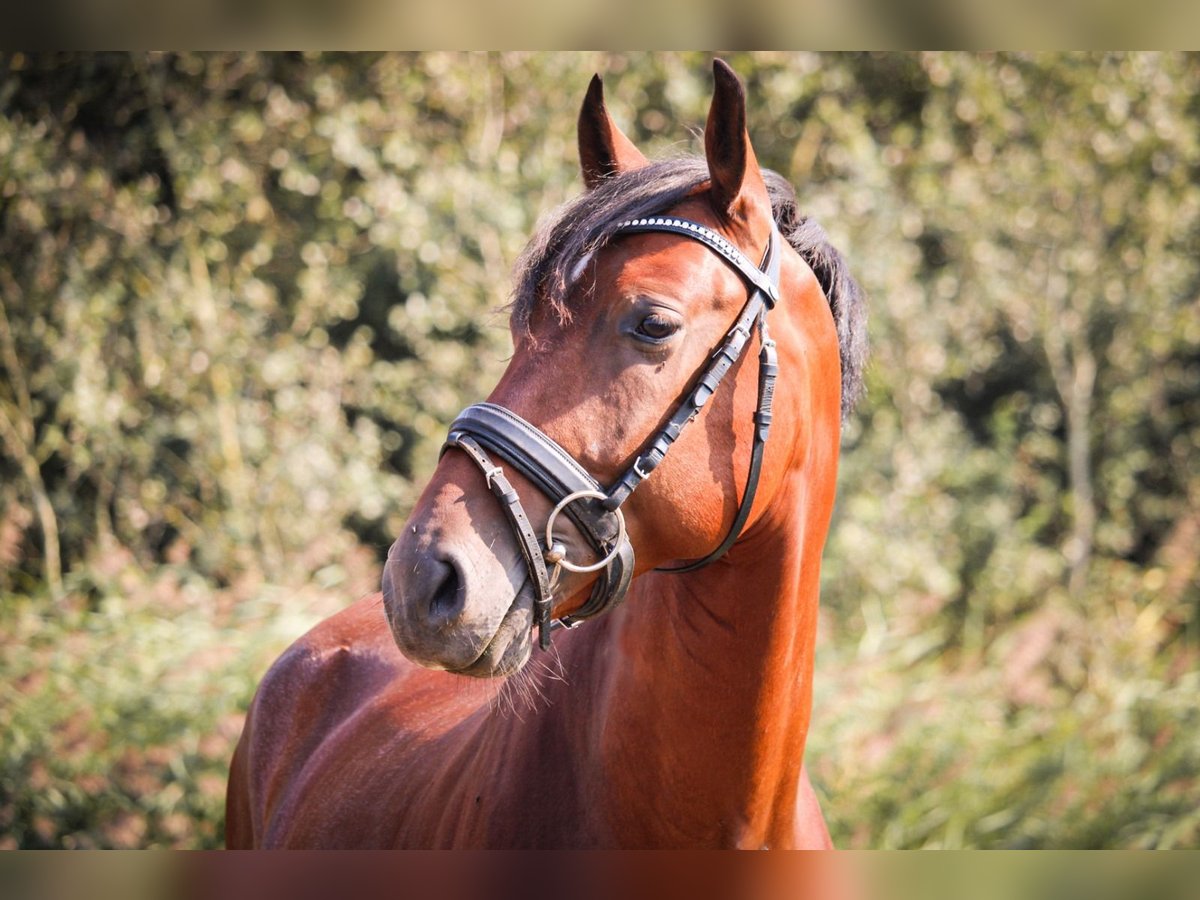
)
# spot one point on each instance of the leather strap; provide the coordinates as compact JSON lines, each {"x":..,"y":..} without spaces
{"x":719,"y":364}
{"x":768,"y":370}
{"x":527,"y":540}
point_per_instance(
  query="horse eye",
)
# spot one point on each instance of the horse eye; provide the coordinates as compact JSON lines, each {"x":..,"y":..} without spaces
{"x":656,"y":327}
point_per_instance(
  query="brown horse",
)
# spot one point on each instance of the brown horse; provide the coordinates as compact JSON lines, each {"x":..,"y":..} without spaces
{"x":679,"y":718}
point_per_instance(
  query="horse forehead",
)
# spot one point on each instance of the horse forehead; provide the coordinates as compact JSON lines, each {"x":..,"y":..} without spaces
{"x":664,"y":264}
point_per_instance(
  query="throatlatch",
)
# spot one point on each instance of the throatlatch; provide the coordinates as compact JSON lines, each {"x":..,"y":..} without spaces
{"x":596,"y":511}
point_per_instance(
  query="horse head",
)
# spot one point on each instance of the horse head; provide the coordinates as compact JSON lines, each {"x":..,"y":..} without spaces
{"x":612,"y":327}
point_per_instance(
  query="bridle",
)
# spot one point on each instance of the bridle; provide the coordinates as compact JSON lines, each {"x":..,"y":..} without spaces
{"x":596,"y":511}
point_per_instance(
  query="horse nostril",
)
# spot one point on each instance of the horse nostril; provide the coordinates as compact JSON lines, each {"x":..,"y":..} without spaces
{"x":446,"y":599}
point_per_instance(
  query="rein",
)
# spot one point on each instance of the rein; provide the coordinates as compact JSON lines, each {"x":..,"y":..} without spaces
{"x":594,"y":510}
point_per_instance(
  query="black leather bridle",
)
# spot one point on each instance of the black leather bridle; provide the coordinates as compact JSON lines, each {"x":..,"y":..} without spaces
{"x":596,"y":511}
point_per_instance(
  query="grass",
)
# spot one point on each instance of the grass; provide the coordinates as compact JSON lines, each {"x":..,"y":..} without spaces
{"x":1070,"y":732}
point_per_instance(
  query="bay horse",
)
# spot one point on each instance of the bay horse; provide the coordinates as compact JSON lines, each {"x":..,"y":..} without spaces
{"x":679,"y":717}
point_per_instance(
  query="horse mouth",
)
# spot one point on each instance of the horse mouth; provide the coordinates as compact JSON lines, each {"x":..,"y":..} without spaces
{"x":510,"y":646}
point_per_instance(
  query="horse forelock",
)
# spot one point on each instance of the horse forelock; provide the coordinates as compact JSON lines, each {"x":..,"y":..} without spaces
{"x":567,"y":238}
{"x":564,"y":242}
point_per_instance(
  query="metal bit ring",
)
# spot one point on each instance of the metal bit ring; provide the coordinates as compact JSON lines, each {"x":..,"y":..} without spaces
{"x":562,"y":504}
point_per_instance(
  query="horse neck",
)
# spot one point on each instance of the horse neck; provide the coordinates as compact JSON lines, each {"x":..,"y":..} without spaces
{"x":705,"y":689}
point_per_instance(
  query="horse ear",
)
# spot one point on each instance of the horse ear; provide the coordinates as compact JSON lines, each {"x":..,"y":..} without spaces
{"x":603,"y":148}
{"x":737,"y":183}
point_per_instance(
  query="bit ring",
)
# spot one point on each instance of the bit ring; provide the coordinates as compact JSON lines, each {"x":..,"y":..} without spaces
{"x":562,"y":504}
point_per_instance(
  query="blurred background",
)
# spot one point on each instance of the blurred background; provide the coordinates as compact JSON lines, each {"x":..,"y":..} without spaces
{"x":242,"y":295}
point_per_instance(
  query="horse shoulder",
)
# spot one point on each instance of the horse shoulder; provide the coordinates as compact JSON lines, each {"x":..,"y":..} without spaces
{"x":310,"y":690}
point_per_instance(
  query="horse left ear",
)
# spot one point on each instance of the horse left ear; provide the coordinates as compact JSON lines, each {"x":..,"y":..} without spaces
{"x":738,"y":191}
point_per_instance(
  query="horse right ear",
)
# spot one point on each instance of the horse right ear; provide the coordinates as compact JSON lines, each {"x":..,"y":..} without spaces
{"x":603,"y":148}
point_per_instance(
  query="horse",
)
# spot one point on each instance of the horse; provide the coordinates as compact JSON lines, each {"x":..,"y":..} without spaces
{"x":644,"y":701}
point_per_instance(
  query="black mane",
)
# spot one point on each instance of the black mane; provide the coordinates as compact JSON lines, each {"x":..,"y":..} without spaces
{"x":585,"y":224}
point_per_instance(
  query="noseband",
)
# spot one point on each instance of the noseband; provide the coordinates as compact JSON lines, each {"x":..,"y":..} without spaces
{"x":596,"y":511}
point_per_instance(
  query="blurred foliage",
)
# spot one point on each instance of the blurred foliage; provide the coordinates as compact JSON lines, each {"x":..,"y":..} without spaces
{"x":242,"y":295}
{"x":120,"y":718}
